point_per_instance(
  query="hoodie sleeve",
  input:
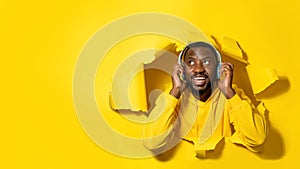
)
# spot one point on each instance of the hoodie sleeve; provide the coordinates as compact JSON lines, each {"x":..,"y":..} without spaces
{"x":160,"y":132}
{"x":249,"y":122}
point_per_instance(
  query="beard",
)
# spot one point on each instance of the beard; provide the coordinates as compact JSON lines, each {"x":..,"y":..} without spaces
{"x":201,"y":86}
{"x":199,"y":90}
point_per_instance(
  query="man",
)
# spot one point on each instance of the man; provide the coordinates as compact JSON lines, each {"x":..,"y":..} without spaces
{"x":204,"y":106}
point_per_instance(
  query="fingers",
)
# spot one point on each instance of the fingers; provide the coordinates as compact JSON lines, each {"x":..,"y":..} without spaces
{"x":178,"y":67}
{"x":177,"y":70}
{"x":227,"y":66}
{"x":178,"y":75}
{"x":225,"y":83}
{"x":177,"y":80}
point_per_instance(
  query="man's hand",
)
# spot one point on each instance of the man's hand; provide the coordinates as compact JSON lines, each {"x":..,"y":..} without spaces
{"x":225,"y":81}
{"x":178,"y":83}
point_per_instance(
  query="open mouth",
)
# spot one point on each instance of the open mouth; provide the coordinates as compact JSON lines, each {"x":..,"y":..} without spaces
{"x":200,"y":80}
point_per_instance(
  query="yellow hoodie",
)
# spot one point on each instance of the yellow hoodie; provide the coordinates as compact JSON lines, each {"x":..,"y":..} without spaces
{"x":205,"y":124}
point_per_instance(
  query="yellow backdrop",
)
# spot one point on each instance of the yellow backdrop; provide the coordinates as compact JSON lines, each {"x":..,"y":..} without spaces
{"x":42,"y":40}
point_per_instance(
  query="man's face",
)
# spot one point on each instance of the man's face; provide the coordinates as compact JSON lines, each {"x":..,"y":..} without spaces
{"x":200,"y":68}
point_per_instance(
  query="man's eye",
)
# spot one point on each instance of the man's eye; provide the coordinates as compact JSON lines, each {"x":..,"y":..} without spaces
{"x":191,"y":62}
{"x":206,"y":62}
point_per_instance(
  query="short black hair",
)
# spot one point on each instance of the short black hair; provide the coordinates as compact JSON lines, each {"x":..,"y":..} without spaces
{"x":200,"y":44}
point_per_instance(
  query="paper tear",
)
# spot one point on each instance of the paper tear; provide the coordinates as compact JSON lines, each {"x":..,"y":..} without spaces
{"x":261,"y":108}
{"x":231,"y":48}
{"x":129,"y":88}
{"x":128,"y":83}
{"x":215,"y":42}
{"x":261,"y":78}
{"x":170,"y":47}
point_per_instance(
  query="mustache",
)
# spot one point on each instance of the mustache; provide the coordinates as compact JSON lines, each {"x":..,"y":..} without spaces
{"x":202,"y":74}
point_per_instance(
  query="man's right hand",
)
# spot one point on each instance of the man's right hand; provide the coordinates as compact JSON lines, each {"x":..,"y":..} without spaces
{"x":178,"y":83}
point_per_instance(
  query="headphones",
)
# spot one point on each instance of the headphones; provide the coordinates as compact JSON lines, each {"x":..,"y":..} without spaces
{"x":204,"y":44}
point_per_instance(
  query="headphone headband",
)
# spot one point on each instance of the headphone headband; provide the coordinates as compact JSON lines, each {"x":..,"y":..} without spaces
{"x":198,"y":43}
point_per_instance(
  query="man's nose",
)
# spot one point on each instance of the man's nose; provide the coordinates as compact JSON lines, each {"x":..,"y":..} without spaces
{"x":198,"y":67}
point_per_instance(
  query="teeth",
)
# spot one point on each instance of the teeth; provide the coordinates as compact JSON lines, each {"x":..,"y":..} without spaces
{"x":199,"y":78}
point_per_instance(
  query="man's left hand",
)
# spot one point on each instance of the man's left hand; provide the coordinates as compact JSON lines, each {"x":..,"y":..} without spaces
{"x":225,"y":81}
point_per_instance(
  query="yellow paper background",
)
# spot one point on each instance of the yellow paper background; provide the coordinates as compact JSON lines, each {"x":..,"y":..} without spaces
{"x":40,"y":44}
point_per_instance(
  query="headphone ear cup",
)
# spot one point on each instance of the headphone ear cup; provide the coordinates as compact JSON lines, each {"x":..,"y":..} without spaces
{"x":218,"y":71}
{"x":180,"y":58}
{"x":183,"y":76}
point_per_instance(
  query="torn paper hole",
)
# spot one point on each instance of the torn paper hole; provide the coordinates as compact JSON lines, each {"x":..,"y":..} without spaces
{"x":261,"y":78}
{"x":141,"y":73}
